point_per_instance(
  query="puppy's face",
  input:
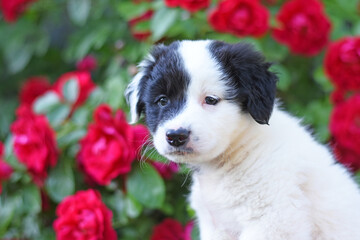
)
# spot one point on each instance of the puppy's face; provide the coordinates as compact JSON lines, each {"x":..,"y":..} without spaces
{"x":198,"y":96}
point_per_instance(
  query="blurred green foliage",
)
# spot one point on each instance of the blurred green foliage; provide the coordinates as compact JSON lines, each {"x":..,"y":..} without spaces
{"x":52,"y":35}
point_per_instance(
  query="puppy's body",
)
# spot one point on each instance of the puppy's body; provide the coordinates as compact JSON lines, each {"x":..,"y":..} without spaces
{"x":276,"y":182}
{"x":208,"y":104}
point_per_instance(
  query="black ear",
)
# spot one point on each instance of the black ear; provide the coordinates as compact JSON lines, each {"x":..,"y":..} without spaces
{"x":250,"y":82}
{"x":262,"y":93}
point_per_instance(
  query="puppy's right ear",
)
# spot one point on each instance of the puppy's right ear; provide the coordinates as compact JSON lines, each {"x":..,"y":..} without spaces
{"x":132,"y":95}
{"x":135,"y":90}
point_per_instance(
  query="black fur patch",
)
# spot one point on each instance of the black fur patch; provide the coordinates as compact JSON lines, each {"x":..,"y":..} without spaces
{"x":163,"y":75}
{"x":252,"y":85}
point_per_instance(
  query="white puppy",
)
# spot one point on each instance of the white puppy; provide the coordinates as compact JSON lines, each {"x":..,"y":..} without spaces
{"x":259,"y":174}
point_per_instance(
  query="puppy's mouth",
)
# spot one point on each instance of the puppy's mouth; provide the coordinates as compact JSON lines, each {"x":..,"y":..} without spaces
{"x":180,"y":152}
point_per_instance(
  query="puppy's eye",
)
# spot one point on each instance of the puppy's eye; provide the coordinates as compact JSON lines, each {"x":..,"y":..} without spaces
{"x":162,"y":101}
{"x":211,"y":100}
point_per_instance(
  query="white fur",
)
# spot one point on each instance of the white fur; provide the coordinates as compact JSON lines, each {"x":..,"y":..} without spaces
{"x":133,"y":87}
{"x":276,"y":182}
{"x":253,"y":181}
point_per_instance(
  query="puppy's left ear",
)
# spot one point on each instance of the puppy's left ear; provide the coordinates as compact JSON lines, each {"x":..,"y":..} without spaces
{"x":250,"y":82}
{"x":261,"y":96}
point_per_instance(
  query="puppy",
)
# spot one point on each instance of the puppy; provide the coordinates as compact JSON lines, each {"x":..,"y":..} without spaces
{"x":259,"y":175}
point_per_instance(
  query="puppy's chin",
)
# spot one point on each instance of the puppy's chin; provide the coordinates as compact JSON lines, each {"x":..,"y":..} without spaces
{"x":187,"y":155}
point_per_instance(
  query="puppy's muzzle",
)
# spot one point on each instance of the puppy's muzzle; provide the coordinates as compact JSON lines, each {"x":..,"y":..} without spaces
{"x":177,"y":138}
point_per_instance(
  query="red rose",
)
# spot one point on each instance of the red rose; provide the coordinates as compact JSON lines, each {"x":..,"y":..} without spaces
{"x":189,"y":5}
{"x":347,"y":157}
{"x":342,"y":63}
{"x":194,"y":5}
{"x":86,"y":85}
{"x":166,"y":170}
{"x":84,"y":216}
{"x":34,"y":143}
{"x":140,"y":35}
{"x":33,"y":88}
{"x":88,"y":63}
{"x":171,"y":229}
{"x":172,"y":3}
{"x":11,"y":9}
{"x":345,"y":128}
{"x":240,"y":17}
{"x":110,"y":145}
{"x":5,"y":169}
{"x":304,"y":27}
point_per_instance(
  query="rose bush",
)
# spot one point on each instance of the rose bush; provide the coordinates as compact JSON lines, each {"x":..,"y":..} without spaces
{"x":84,"y":216}
{"x":72,"y":167}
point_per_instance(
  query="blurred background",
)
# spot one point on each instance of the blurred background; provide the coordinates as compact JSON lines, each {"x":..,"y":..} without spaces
{"x":64,"y":66}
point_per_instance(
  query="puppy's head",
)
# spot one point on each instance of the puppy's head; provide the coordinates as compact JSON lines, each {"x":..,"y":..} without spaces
{"x":198,"y":96}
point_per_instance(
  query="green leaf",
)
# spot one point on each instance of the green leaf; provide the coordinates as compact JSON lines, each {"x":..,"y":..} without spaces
{"x":356,"y":28}
{"x":70,"y":90}
{"x":47,"y":234}
{"x":46,"y":102}
{"x":133,"y":208}
{"x":42,"y":45}
{"x":31,"y":226}
{"x":273,"y":51}
{"x":81,"y":116}
{"x":60,"y":182}
{"x":10,"y":156}
{"x":93,"y":36}
{"x":113,"y":87}
{"x":128,"y":10}
{"x":322,"y":80}
{"x":57,"y":114}
{"x":284,"y":76}
{"x":116,"y":202}
{"x":146,"y":186}
{"x":17,"y":55}
{"x":195,"y":233}
{"x":79,"y":10}
{"x":96,"y":97}
{"x":31,"y":199}
{"x":163,"y":19}
{"x":8,"y":207}
{"x":70,"y":137}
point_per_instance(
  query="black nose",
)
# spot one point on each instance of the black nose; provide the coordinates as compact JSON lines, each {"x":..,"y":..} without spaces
{"x":177,"y":137}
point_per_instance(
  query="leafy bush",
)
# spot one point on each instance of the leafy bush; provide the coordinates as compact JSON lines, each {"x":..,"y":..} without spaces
{"x":72,"y":168}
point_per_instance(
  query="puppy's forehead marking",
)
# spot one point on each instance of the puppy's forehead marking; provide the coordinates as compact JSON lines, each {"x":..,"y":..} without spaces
{"x":203,"y":69}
